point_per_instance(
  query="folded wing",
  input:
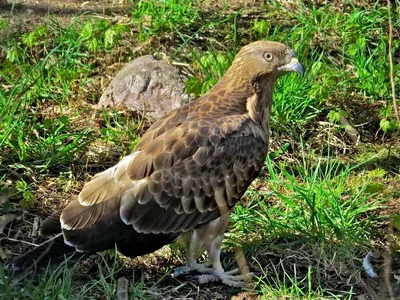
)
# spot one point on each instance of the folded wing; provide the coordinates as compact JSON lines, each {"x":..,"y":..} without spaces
{"x":177,"y":179}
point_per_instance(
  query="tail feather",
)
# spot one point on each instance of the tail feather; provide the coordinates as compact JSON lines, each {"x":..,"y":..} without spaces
{"x":51,"y":225}
{"x":52,"y":251}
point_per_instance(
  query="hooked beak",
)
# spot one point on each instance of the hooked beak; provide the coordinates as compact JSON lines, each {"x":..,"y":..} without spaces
{"x":293,"y":66}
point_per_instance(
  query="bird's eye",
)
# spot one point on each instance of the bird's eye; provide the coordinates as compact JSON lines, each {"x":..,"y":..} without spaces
{"x":268,"y":56}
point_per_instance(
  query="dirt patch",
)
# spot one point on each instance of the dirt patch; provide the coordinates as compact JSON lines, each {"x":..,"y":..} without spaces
{"x":26,"y":15}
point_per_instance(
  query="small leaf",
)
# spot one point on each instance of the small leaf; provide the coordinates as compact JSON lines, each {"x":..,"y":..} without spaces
{"x":87,"y":30}
{"x":29,"y":199}
{"x":386,"y":111}
{"x":193,"y":85}
{"x":3,"y":23}
{"x":12,"y":54}
{"x":261,"y":27}
{"x":109,"y":37}
{"x":334,"y":116}
{"x":29,"y":39}
{"x":385,"y":125}
{"x":92,"y":45}
{"x":64,"y":120}
{"x":377,"y":173}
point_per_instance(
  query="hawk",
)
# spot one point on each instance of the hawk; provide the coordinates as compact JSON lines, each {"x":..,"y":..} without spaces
{"x":183,"y":178}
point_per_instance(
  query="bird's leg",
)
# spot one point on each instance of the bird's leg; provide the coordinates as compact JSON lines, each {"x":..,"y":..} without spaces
{"x":194,"y":249}
{"x":209,"y":238}
{"x":197,"y":242}
{"x":229,"y":278}
{"x":192,"y":266}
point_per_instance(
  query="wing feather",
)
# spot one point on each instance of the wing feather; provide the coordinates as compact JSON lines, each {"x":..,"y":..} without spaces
{"x":76,"y":216}
{"x":107,"y":184}
{"x":201,"y":181}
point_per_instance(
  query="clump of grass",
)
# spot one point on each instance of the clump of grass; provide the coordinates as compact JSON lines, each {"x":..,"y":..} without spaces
{"x":306,"y":221}
{"x":312,"y":202}
{"x":57,"y":284}
{"x":61,"y":283}
{"x":119,"y":129}
{"x":154,"y":17}
{"x":279,"y":284}
{"x":345,"y":53}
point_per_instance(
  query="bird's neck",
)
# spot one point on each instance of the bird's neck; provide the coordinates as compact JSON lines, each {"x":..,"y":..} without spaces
{"x":259,"y":104}
{"x":254,"y":99}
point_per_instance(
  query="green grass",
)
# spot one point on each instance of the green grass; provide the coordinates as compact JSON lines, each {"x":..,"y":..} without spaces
{"x":317,"y":210}
{"x":305,"y":197}
{"x":60,"y":283}
{"x":44,"y":68}
{"x":275,"y":286}
{"x":153,"y":17}
{"x":314,"y":202}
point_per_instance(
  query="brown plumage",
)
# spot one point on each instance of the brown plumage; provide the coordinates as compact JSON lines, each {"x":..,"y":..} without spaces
{"x":185,"y":175}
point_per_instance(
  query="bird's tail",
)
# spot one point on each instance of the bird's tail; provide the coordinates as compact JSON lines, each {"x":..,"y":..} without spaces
{"x":50,"y":252}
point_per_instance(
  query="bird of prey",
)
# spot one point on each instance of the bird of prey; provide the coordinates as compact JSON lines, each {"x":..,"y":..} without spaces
{"x":183,"y":178}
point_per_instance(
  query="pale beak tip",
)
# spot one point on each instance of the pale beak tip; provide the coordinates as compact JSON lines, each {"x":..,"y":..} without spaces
{"x":293,"y":66}
{"x":296,"y":66}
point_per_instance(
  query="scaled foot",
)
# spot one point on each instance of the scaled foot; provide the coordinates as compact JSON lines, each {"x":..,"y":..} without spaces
{"x":205,"y":268}
{"x":230,"y":278}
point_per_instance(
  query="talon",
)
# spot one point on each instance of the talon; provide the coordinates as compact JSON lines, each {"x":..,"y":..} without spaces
{"x":236,"y":280}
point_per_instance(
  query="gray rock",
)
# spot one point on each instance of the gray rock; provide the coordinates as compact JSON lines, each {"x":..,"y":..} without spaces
{"x":147,"y":86}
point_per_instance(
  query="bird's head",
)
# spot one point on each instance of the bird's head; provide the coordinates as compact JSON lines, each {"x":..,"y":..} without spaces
{"x":249,"y":82}
{"x":264,"y":59}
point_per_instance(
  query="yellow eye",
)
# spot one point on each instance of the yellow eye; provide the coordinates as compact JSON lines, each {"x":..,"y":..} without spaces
{"x":268,"y":56}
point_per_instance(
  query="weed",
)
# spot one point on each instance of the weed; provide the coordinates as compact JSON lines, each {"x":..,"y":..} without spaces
{"x":294,"y":280}
{"x":119,"y":129}
{"x":101,"y":33}
{"x":28,"y":197}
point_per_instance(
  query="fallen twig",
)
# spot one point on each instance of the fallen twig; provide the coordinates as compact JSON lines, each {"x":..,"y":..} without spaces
{"x":19,"y":241}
